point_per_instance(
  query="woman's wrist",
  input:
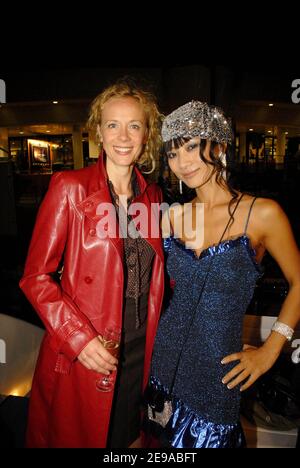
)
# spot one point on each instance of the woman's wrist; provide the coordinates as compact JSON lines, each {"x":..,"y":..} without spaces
{"x":274,"y":344}
{"x":283,"y":329}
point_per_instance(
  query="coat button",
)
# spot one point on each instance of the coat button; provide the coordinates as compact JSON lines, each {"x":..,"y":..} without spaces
{"x":88,"y":279}
{"x":88,"y":205}
{"x":92,"y":232}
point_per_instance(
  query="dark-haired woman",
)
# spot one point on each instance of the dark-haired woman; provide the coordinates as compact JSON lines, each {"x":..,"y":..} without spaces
{"x":214,"y":247}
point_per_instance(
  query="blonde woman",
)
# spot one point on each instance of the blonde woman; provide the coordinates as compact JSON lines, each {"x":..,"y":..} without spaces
{"x":113,"y":281}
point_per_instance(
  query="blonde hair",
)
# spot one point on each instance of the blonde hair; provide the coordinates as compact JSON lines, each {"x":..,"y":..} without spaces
{"x":124,"y":88}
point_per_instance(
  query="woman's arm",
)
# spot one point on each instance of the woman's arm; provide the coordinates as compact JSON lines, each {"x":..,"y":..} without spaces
{"x":277,"y":236}
{"x":69,"y":329}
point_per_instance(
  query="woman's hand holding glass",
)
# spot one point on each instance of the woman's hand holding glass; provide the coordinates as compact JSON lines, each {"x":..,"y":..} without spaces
{"x":95,"y":357}
{"x":111,"y":340}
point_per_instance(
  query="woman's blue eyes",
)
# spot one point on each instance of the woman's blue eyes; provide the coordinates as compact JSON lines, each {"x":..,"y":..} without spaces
{"x":115,"y":125}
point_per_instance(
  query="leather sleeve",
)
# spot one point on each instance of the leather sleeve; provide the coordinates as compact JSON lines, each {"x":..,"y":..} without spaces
{"x":69,"y":328}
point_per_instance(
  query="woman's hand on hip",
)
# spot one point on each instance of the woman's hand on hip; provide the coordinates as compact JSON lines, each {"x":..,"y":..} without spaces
{"x":253,"y":362}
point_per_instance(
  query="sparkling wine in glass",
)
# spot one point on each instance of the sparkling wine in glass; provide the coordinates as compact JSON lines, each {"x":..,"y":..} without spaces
{"x":111,"y":340}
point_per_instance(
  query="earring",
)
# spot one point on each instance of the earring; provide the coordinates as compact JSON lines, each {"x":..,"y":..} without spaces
{"x":222,"y":157}
{"x":180,"y":186}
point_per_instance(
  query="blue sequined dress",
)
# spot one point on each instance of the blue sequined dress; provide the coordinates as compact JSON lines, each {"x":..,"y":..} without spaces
{"x":205,"y":411}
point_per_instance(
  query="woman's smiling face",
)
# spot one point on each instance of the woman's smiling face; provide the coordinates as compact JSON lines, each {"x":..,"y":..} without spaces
{"x":187,"y":164}
{"x":123,"y":130}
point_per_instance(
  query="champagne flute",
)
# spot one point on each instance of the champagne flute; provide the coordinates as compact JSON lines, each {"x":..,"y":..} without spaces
{"x":111,"y":340}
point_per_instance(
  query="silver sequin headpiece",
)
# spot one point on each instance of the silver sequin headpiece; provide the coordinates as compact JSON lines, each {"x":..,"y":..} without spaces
{"x":197,"y":119}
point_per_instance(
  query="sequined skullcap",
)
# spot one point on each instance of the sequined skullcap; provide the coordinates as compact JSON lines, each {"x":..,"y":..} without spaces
{"x":197,"y":119}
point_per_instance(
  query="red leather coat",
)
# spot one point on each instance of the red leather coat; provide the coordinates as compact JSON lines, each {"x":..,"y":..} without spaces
{"x":66,"y":410}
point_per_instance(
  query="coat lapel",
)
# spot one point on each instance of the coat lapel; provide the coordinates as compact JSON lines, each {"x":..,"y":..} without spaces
{"x":89,"y":207}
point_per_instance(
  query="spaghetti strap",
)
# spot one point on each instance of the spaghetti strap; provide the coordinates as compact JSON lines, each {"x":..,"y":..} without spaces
{"x":249,"y":213}
{"x":235,"y":208}
{"x":170,"y":224}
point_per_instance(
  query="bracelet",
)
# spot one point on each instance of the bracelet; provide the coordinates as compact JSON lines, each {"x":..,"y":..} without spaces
{"x":283,"y":329}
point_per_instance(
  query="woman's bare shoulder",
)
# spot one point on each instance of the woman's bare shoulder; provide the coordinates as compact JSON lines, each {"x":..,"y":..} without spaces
{"x":267,"y":209}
